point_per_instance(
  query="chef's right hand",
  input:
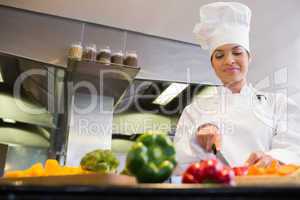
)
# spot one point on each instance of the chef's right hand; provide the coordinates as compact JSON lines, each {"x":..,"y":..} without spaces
{"x":207,"y":135}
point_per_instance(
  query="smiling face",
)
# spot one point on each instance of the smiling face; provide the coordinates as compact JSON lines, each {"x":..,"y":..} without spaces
{"x":230,"y":62}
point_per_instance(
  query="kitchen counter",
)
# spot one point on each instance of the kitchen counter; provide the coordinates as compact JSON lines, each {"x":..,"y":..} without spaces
{"x":114,"y":186}
{"x":154,"y":191}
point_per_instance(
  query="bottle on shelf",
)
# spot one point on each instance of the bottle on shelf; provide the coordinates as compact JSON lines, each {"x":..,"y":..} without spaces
{"x":75,"y":51}
{"x":117,"y":58}
{"x":90,"y":52}
{"x":131,"y":59}
{"x":104,"y":55}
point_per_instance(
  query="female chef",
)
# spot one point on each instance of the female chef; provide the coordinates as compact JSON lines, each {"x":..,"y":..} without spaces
{"x":247,"y":126}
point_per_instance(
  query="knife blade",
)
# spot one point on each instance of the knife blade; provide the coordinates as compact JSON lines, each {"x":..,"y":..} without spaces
{"x":219,"y":155}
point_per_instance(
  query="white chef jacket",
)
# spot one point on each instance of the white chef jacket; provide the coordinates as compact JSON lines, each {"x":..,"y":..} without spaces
{"x":248,"y":121}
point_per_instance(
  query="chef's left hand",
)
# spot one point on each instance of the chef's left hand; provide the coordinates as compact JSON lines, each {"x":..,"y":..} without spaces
{"x":260,"y":159}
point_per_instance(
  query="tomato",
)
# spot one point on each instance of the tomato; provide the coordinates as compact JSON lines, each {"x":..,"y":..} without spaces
{"x":188,"y":178}
{"x":211,"y":168}
{"x":226,"y":176}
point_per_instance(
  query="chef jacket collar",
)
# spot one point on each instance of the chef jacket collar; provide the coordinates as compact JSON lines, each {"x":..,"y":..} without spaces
{"x":246,"y":90}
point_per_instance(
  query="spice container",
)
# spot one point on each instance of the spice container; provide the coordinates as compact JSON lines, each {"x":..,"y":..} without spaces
{"x":104,"y":55}
{"x":90,"y":52}
{"x":75,"y":51}
{"x":117,"y":58}
{"x":131,"y":59}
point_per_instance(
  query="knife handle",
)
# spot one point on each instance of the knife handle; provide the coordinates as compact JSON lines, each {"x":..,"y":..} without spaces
{"x":214,"y":148}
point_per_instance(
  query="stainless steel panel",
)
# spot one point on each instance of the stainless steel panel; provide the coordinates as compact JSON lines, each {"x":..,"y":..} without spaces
{"x":40,"y":87}
{"x":90,"y":126}
{"x":103,"y":36}
{"x":162,"y":59}
{"x":22,"y":110}
{"x":22,"y":157}
{"x":33,"y":35}
{"x":23,"y":135}
{"x":105,"y":80}
{"x":3,"y":155}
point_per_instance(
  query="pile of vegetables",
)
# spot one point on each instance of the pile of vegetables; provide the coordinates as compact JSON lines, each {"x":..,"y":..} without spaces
{"x":103,"y":161}
{"x":212,"y":171}
{"x":274,"y":170}
{"x":151,"y":159}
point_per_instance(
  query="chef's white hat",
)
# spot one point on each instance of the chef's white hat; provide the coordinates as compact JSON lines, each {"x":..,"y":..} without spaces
{"x":223,"y":23}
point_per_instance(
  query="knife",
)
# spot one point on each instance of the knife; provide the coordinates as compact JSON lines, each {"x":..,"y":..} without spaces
{"x":219,"y":155}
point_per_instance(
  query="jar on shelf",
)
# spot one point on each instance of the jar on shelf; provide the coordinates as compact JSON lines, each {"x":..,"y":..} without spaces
{"x":131,"y":59}
{"x":117,"y":58}
{"x":104,"y":55}
{"x":90,"y":52}
{"x":75,"y":51}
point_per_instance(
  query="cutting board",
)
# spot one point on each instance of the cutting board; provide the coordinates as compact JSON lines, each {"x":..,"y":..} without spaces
{"x":73,"y":180}
{"x":267,"y":180}
{"x":122,"y":180}
{"x":241,"y":181}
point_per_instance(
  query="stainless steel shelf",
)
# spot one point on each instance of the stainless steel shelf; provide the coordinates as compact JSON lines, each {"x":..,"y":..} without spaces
{"x":108,"y":79}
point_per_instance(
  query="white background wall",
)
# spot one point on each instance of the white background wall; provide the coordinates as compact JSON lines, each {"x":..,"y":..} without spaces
{"x":275,"y":35}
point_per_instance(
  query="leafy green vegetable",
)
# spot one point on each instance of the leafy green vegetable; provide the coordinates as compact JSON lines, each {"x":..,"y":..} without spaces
{"x":100,"y":161}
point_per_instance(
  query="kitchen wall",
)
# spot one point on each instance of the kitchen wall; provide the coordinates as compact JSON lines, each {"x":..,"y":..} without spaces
{"x":275,"y":34}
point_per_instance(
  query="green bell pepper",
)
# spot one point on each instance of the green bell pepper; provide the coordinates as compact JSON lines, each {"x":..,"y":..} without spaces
{"x":151,"y":159}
